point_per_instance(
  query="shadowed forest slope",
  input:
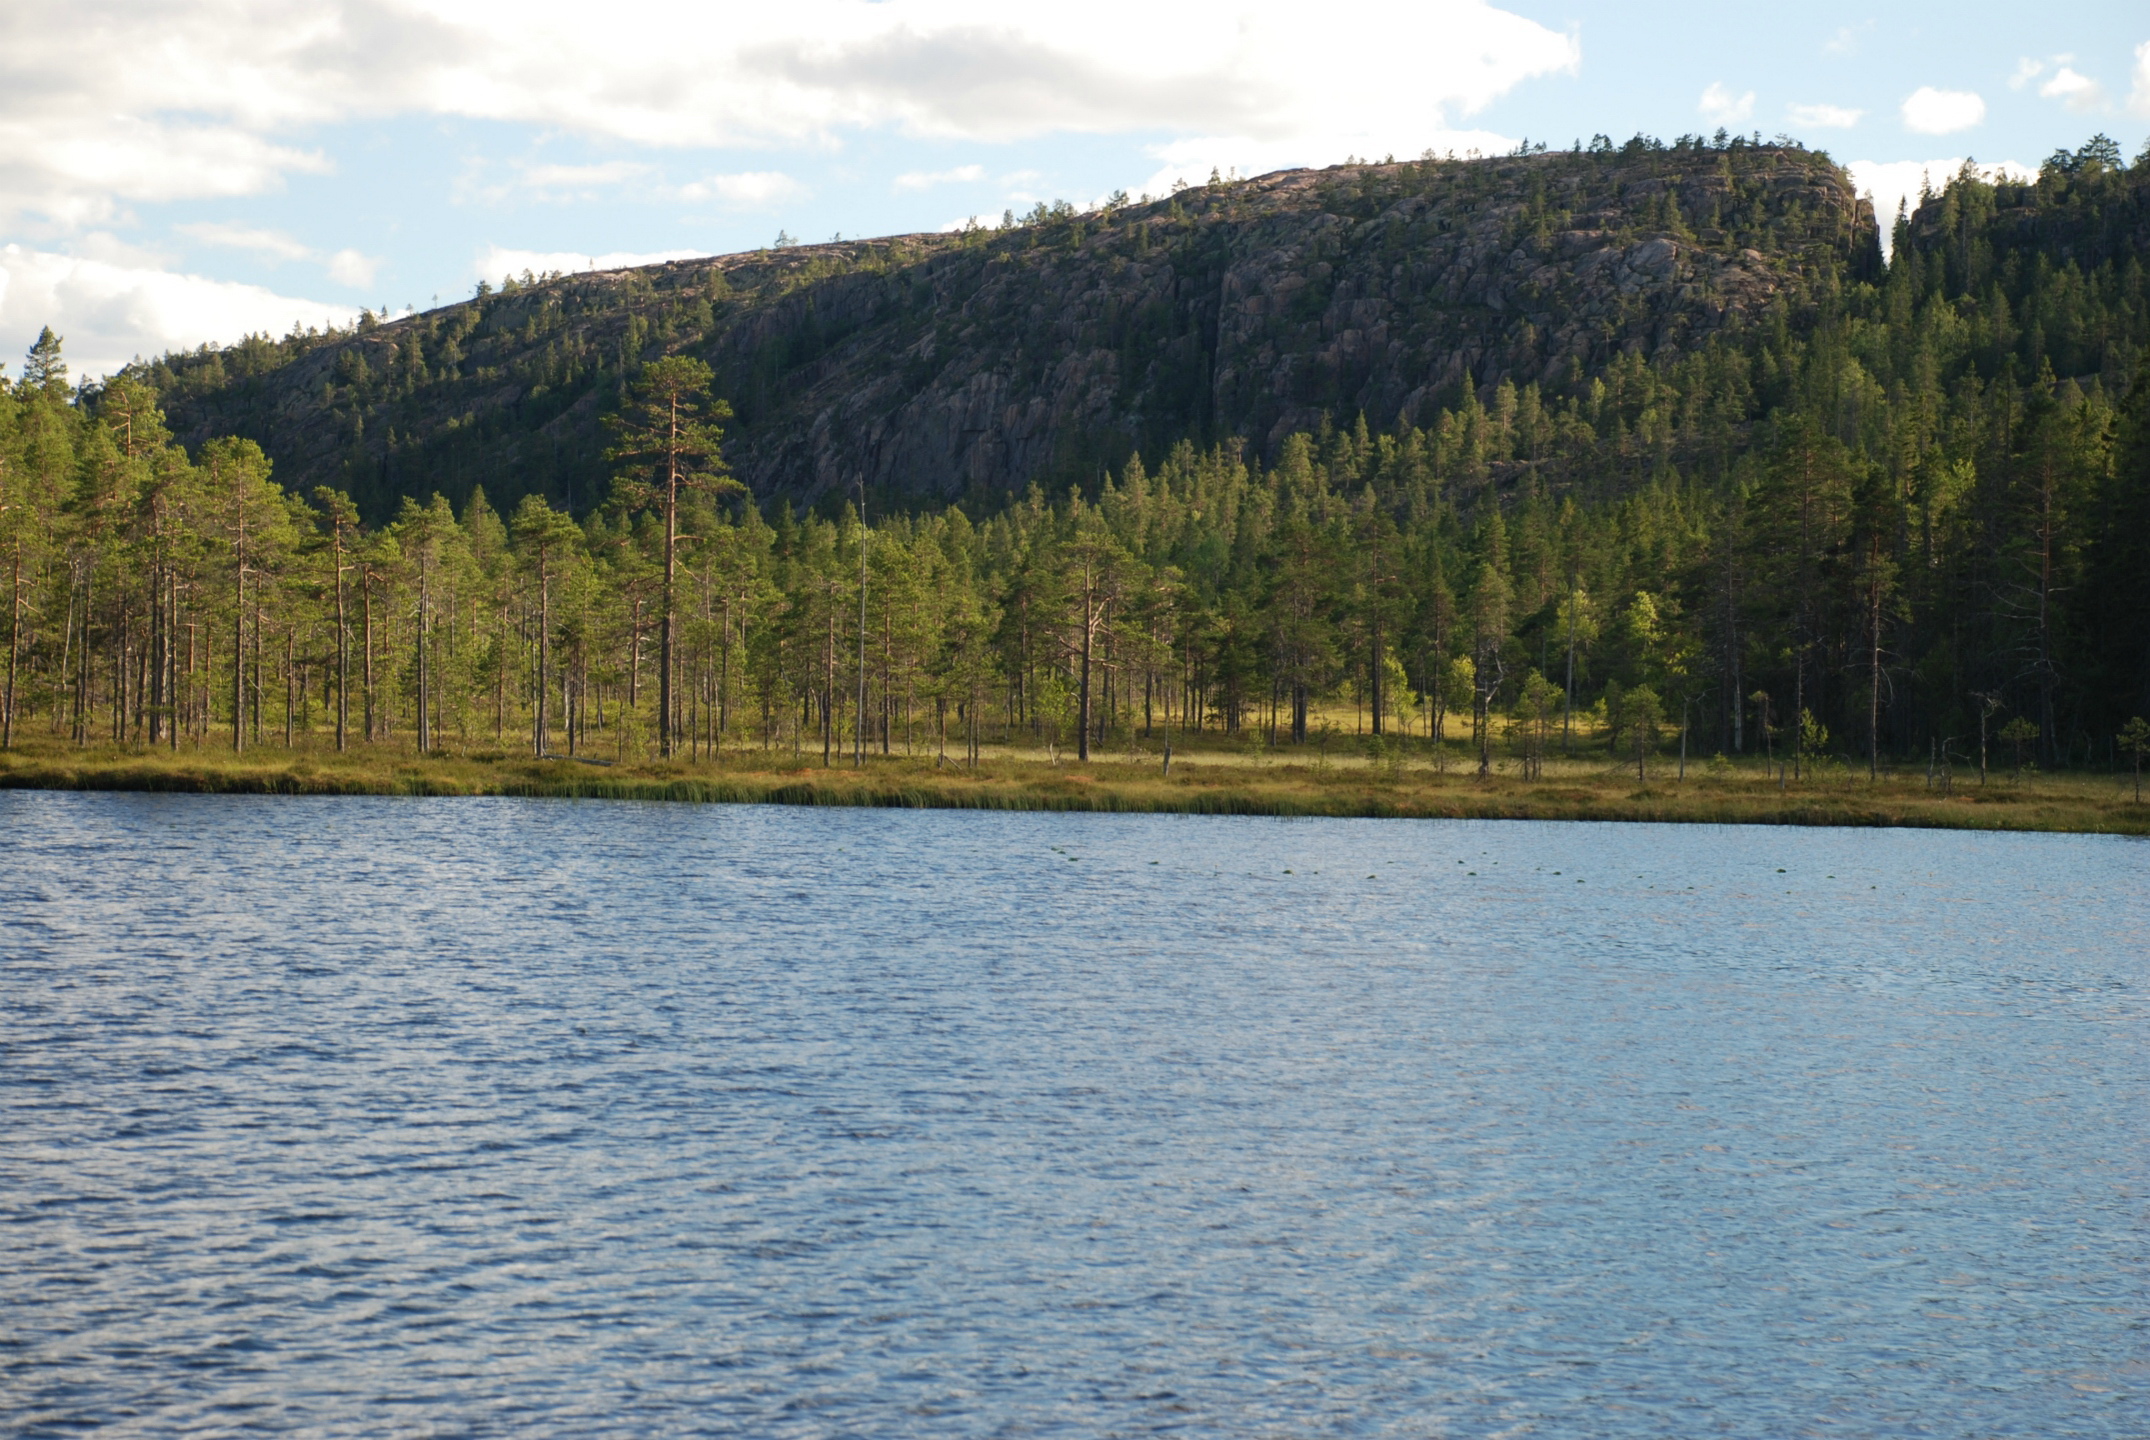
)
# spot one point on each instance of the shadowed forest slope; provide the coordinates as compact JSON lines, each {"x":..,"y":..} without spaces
{"x":938,"y":367}
{"x":1496,"y":461}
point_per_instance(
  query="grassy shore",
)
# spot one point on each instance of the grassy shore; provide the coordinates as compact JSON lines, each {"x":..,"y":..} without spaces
{"x":1218,"y":781}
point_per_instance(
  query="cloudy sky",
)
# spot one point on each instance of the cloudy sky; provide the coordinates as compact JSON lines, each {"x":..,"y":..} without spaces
{"x":180,"y":171}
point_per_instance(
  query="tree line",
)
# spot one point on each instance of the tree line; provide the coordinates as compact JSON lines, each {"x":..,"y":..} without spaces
{"x":1899,"y":526}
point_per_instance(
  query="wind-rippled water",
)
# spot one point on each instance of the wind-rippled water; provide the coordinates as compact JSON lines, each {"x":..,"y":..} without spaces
{"x":543,"y":1118}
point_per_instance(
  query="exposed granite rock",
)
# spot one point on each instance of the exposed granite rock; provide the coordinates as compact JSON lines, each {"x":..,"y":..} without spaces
{"x":932,"y":366}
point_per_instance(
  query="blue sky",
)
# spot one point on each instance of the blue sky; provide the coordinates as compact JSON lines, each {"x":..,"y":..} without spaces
{"x":188,"y":170}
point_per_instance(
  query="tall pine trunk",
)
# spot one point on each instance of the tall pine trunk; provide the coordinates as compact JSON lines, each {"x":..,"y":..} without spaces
{"x":14,"y":652}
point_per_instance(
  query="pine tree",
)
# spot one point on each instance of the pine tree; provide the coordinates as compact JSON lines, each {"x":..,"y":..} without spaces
{"x":669,"y":443}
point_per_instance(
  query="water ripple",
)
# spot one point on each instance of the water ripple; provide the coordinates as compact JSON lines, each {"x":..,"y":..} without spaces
{"x":537,"y":1118}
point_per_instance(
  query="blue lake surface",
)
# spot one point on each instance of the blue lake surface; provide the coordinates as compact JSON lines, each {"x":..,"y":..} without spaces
{"x":493,"y":1117}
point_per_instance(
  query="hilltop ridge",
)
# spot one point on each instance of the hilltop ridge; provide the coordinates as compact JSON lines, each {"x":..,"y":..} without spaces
{"x":976,"y":363}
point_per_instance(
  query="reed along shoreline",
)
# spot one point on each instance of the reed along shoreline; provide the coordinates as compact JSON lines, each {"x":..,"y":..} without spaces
{"x":2082,"y":804}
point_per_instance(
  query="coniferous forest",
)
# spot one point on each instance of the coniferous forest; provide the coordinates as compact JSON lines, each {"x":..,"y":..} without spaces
{"x":1898,"y":514}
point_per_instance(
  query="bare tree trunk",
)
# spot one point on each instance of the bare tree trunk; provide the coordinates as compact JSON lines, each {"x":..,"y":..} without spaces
{"x":153,"y":657}
{"x":343,"y":656}
{"x":425,"y":726}
{"x":860,"y":728}
{"x":238,"y":683}
{"x":82,"y":685}
{"x":1873,"y":699}
{"x":671,"y":546}
{"x":197,"y":731}
{"x":288,"y":697}
{"x":171,"y":654}
{"x":365,"y":597}
{"x":1567,"y":713}
{"x":66,"y":666}
{"x":1089,"y":626}
{"x":2046,"y":727}
{"x":119,"y":677}
{"x":724,"y":683}
{"x":1376,"y":699}
{"x":14,"y":652}
{"x":544,"y":655}
{"x":255,"y":717}
{"x":1799,"y":710}
{"x":238,"y":646}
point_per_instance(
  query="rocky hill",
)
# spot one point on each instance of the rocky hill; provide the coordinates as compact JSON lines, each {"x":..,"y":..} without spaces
{"x":2084,"y":209}
{"x":930,"y":367}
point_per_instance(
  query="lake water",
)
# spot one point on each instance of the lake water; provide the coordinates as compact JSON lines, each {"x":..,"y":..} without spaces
{"x":541,"y":1118}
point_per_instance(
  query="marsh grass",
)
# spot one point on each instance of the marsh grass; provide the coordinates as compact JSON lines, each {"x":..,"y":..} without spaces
{"x":1222,"y":781}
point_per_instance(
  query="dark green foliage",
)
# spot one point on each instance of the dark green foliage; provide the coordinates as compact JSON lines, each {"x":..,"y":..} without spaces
{"x":1582,"y":448}
{"x":978,"y":363}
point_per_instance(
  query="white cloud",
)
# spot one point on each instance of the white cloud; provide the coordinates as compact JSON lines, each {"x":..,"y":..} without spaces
{"x":497,"y":263}
{"x":122,"y":104}
{"x":2072,"y":88}
{"x":1928,"y":111}
{"x":748,"y":190}
{"x":927,"y":179}
{"x":187,"y":103}
{"x":1899,"y":182}
{"x":2139,"y":97}
{"x":1824,"y":117}
{"x":582,"y":177}
{"x":572,"y":182}
{"x":345,"y":267}
{"x":108,"y":313}
{"x":104,"y":246}
{"x":86,"y":178}
{"x":196,"y":97}
{"x":2078,"y":92}
{"x":270,"y":245}
{"x":1846,"y":39}
{"x":349,"y":267}
{"x":559,"y":184}
{"x":1721,"y":107}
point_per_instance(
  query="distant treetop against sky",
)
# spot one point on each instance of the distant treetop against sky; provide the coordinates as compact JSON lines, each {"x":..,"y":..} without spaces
{"x":196,"y":169}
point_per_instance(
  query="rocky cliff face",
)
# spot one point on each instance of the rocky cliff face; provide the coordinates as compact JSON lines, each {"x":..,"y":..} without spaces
{"x":934,"y":366}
